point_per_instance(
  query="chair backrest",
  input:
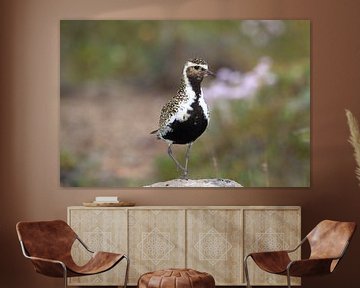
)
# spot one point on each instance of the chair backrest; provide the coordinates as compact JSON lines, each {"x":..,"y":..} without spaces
{"x":329,"y":239}
{"x":46,"y":239}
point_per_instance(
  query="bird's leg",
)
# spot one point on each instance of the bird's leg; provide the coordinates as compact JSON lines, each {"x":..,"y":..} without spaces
{"x":187,"y":155}
{"x":178,"y":165}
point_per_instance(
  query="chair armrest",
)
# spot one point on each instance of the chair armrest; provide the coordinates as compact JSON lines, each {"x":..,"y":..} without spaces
{"x":48,"y":267}
{"x":84,"y":245}
{"x":268,"y":253}
{"x":298,"y":246}
{"x":309,"y":267}
{"x":280,"y":251}
{"x":46,"y":260}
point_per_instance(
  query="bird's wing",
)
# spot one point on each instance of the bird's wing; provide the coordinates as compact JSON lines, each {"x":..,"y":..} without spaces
{"x":167,"y":111}
{"x":172,"y":106}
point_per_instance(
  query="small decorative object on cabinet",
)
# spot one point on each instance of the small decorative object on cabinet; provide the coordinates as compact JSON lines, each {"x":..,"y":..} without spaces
{"x":328,"y":242}
{"x":211,"y":239}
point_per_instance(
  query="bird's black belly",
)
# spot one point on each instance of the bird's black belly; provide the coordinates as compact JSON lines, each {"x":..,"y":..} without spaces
{"x":184,"y":132}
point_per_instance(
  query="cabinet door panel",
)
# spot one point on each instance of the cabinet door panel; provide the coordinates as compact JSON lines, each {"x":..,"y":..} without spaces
{"x":157,"y":240}
{"x":214,"y":244}
{"x":100,"y":230}
{"x":269,"y":230}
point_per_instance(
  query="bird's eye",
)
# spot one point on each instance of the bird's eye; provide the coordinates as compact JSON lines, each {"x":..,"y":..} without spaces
{"x":197,"y":67}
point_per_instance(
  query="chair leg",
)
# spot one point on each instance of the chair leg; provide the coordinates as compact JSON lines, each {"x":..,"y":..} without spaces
{"x":127,"y":271}
{"x":65,"y":275}
{"x":246,"y":270}
{"x":288,"y":278}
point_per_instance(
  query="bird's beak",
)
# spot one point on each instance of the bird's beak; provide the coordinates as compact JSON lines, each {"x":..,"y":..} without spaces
{"x":209,"y":73}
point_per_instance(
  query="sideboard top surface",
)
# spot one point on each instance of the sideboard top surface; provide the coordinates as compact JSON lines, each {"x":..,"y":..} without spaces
{"x":193,"y":207}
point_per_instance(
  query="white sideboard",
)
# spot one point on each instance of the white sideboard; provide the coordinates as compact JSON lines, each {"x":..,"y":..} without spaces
{"x":211,"y":239}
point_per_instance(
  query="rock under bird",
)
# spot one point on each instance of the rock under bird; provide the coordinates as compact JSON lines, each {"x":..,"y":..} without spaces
{"x":185,"y":116}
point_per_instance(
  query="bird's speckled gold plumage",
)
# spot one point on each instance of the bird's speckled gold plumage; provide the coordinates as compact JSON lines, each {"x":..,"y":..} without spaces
{"x":171,"y":107}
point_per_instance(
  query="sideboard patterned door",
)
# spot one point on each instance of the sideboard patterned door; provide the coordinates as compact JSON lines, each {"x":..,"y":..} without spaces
{"x":214,"y":241}
{"x":268,"y":230}
{"x":156,"y":240}
{"x":209,"y":239}
{"x":101,"y":230}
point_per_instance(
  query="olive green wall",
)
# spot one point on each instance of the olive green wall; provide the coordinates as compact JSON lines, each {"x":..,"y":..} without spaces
{"x":29,"y":119}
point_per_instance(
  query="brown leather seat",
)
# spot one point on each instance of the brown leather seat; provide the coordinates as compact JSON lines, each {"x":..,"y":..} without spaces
{"x":48,"y":245}
{"x":328,"y":242}
{"x":176,"y":278}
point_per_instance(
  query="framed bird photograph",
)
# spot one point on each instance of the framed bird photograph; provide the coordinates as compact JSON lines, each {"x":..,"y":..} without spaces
{"x":144,"y":102}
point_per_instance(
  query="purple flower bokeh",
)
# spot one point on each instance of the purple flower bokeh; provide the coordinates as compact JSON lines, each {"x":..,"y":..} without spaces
{"x":230,"y":84}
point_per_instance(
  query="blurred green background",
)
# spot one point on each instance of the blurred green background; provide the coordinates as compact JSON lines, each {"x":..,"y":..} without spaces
{"x":116,"y":76}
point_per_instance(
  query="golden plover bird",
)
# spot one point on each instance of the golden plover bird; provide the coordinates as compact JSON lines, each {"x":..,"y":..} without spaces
{"x":185,"y":117}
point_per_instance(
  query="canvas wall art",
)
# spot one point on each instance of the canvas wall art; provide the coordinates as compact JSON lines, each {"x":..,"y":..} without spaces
{"x":145,"y":101}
